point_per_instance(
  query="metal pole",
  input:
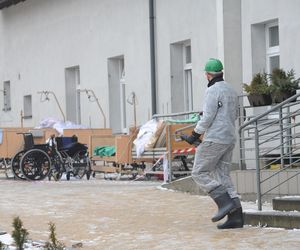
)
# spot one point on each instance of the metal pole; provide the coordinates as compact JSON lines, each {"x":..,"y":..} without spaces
{"x":242,"y":165}
{"x":169,"y":154}
{"x":134,"y":109}
{"x":257,"y":168}
{"x":62,"y":113}
{"x":97,"y":101}
{"x":174,"y":114}
{"x":99,"y":106}
{"x":241,"y":161}
{"x":152,"y":54}
{"x":289,"y":135}
{"x":46,"y":93}
{"x":281,"y":138}
{"x":22,"y":117}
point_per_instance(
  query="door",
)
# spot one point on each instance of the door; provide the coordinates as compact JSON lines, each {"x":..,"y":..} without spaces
{"x":117,"y":94}
{"x":73,"y":112}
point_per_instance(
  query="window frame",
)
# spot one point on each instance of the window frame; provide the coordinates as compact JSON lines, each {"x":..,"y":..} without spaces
{"x":188,"y":86}
{"x":27,"y":107}
{"x":6,"y":96}
{"x":273,"y":50}
{"x":123,"y":106}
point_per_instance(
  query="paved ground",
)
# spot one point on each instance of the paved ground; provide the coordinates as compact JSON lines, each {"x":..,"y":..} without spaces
{"x":127,"y":215}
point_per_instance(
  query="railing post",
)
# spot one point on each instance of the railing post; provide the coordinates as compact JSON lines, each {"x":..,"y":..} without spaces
{"x":289,"y":135}
{"x":281,"y":138}
{"x":242,"y":153}
{"x":242,"y":165}
{"x":259,"y":206}
{"x":169,"y":154}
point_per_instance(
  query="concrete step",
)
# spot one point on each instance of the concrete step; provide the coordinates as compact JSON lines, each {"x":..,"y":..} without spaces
{"x":288,"y":203}
{"x":288,"y":220}
{"x":185,"y":184}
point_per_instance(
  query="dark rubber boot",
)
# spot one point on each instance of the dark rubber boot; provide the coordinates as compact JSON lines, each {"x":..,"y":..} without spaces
{"x":224,"y":202}
{"x":234,"y":219}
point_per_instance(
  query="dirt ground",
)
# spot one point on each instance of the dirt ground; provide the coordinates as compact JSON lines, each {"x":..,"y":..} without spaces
{"x":105,"y":214}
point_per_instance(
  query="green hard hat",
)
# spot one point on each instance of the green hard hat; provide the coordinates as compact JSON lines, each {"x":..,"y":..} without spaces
{"x":213,"y":65}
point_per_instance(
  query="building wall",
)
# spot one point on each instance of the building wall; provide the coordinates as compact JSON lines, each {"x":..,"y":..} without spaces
{"x":42,"y":38}
{"x":255,"y":16}
{"x":177,"y":24}
{"x":213,"y":28}
{"x":1,"y":52}
{"x":261,"y":12}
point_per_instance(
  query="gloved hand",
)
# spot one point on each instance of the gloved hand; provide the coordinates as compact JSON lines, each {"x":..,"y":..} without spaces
{"x":193,"y":139}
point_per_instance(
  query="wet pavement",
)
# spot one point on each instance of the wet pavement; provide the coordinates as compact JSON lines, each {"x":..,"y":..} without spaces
{"x":105,"y":214}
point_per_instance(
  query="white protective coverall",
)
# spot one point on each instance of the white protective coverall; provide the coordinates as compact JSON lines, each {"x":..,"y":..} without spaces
{"x":213,"y":156}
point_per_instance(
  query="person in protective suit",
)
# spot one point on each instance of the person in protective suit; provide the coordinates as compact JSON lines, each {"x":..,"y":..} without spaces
{"x":213,"y":156}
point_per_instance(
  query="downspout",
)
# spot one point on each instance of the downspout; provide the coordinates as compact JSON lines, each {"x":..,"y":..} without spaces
{"x":152,"y":54}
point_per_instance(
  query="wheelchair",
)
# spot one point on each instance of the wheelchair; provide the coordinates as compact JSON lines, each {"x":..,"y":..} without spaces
{"x":60,"y":155}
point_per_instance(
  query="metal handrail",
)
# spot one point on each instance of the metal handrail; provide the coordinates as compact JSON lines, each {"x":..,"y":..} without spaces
{"x":277,"y":136}
{"x":276,"y":107}
{"x":175,"y":114}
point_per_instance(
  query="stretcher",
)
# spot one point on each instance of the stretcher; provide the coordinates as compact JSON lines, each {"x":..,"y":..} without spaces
{"x":178,"y":153}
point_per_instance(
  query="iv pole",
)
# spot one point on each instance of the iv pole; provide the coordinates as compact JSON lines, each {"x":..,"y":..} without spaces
{"x":90,"y":93}
{"x":46,"y":93}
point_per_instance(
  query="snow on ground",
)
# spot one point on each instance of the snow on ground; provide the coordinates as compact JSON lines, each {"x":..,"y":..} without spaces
{"x":124,"y":215}
{"x":6,"y":239}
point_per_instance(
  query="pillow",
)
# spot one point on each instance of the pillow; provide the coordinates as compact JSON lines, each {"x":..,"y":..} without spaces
{"x":154,"y":137}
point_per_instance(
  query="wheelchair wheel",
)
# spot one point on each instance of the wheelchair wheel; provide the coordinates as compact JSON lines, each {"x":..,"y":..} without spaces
{"x":15,"y":166}
{"x":81,"y":165}
{"x":35,"y":164}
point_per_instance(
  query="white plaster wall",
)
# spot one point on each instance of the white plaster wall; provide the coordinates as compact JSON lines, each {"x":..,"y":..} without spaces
{"x":289,"y":26}
{"x":42,"y":38}
{"x":178,"y":21}
{"x":258,"y":12}
{"x":1,"y":55}
{"x":211,"y":34}
{"x":287,"y":12}
{"x":214,"y":28}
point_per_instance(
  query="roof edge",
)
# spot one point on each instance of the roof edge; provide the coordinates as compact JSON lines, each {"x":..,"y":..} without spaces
{"x":8,"y":3}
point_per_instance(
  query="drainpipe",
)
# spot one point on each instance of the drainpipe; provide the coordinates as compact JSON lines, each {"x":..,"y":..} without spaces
{"x":152,"y":54}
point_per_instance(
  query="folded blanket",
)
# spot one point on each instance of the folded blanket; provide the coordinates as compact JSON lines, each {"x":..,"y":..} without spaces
{"x":192,"y":118}
{"x":105,"y":151}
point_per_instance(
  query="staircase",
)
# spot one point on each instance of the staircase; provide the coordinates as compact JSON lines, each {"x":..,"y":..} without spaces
{"x":285,"y":214}
{"x":270,"y":142}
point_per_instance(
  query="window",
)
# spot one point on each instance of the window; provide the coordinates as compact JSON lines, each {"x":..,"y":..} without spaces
{"x":27,"y":107}
{"x":181,"y":76}
{"x":117,"y":94}
{"x":272,"y":49}
{"x":188,"y":83}
{"x":123,"y":92}
{"x":6,"y":96}
{"x":188,"y":54}
{"x":72,"y":85}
